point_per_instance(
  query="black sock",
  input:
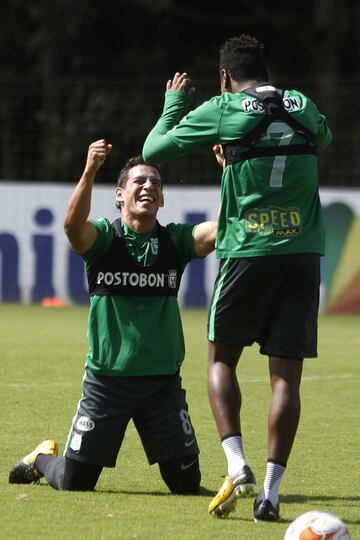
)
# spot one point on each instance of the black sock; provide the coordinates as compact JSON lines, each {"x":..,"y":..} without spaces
{"x":67,"y":474}
{"x":42,"y":461}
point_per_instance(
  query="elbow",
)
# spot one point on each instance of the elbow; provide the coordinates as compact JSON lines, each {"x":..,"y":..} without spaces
{"x":67,"y":227}
{"x":145,"y":153}
{"x":155,"y":155}
{"x":70,"y":231}
{"x":150,"y":156}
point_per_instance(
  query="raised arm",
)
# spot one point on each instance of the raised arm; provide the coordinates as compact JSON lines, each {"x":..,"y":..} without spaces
{"x":81,"y":232}
{"x":204,"y":238}
{"x":158,"y":147}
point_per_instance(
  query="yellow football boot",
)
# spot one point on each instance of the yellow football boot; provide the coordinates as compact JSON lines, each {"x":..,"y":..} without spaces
{"x":24,"y":472}
{"x":232,"y":489}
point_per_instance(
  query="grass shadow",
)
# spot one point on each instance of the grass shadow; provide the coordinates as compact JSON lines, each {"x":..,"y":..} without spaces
{"x":203,"y":492}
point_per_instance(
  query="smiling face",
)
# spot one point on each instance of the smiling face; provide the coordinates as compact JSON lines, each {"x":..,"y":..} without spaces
{"x":140,"y":197}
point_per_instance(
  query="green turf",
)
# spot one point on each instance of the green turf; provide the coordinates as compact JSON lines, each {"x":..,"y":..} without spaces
{"x":42,"y":352}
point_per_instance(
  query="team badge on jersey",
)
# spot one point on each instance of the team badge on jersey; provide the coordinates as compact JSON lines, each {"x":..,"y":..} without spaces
{"x":172,"y":278}
{"x":154,"y":246}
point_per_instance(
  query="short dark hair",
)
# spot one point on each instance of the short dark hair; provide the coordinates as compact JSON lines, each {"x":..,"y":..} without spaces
{"x":243,"y":58}
{"x":129,"y":164}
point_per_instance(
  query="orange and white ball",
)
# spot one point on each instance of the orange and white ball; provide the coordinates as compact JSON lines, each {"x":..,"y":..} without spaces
{"x":317,"y":525}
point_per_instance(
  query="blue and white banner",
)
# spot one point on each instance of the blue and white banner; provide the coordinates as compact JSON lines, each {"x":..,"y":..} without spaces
{"x":36,"y":261}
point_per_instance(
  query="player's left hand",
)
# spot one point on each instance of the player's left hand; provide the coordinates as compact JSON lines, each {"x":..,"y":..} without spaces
{"x":181,"y":82}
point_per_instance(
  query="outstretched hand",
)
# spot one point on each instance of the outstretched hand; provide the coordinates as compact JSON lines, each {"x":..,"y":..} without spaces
{"x":97,"y":153}
{"x":181,"y":82}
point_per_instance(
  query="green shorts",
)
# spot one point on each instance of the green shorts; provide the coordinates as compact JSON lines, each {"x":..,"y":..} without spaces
{"x":156,"y":404}
{"x":270,"y":300}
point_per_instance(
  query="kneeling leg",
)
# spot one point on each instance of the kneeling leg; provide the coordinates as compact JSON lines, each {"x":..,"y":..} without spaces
{"x":182,"y":475}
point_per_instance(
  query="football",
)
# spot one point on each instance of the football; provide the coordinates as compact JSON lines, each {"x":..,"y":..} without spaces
{"x":317,"y":525}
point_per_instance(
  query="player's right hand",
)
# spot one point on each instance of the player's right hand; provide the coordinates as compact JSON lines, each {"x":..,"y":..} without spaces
{"x":219,"y":154}
{"x":97,"y":153}
{"x":180,"y":82}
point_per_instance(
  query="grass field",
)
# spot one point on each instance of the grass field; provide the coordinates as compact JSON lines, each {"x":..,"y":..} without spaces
{"x":42,"y":352}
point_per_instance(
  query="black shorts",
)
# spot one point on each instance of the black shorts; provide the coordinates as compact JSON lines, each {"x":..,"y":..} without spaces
{"x":273,"y":301}
{"x":157,"y":406}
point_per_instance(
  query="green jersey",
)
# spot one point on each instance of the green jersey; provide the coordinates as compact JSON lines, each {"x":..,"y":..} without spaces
{"x":135,"y":335}
{"x":270,"y":204}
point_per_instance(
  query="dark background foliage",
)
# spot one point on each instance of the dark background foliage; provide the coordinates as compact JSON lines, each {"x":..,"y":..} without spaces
{"x":72,"y":72}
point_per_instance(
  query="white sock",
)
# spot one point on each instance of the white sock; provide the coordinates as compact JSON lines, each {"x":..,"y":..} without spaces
{"x":233,"y":448}
{"x":270,"y":489}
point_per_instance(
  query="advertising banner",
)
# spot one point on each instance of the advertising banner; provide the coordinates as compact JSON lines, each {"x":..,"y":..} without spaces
{"x":36,"y":261}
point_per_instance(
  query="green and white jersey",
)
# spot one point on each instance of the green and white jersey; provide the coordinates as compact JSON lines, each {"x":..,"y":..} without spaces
{"x":133,"y":336}
{"x":269,"y":205}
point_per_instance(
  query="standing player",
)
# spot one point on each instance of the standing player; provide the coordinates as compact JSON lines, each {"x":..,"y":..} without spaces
{"x":270,"y":238}
{"x":134,"y":267}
